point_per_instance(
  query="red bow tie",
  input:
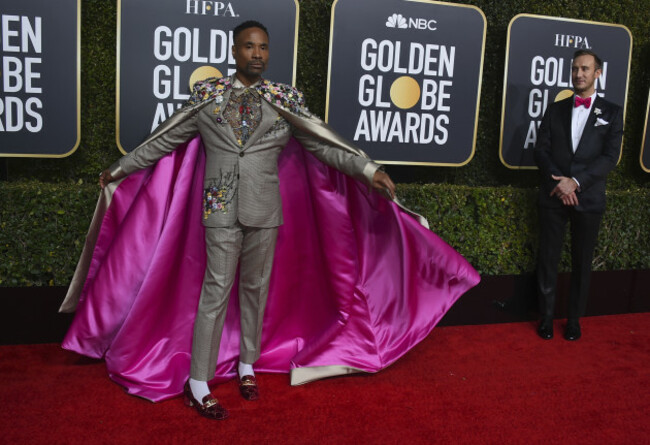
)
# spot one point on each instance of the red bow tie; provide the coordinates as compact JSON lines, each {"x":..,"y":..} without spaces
{"x":580,"y":101}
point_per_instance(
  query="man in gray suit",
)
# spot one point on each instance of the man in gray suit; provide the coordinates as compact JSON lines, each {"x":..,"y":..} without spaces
{"x":243,"y":134}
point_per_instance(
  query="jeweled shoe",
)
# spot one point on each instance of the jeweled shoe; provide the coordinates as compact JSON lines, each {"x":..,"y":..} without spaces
{"x":248,"y":388}
{"x":210,"y":408}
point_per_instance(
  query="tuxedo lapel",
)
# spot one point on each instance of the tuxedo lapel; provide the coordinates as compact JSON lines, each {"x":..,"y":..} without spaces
{"x":591,"y":122}
{"x":566,"y":120}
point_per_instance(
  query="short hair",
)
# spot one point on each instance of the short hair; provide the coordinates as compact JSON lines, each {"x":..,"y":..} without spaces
{"x":588,"y":52}
{"x":248,"y":24}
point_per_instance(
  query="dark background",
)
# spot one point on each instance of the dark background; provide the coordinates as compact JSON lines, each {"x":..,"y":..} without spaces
{"x":484,"y":210}
{"x":98,"y":148}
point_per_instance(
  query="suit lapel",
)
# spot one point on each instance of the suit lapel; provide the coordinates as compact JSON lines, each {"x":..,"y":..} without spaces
{"x":566,"y":120}
{"x":591,"y":121}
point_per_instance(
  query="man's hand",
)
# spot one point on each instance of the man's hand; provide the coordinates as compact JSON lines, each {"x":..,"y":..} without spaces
{"x":382,"y":182}
{"x":564,"y":186}
{"x":104,"y":178}
{"x":570,"y":200}
{"x":565,"y":190}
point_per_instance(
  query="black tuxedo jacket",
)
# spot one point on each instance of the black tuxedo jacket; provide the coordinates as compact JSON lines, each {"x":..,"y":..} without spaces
{"x":596,"y":155}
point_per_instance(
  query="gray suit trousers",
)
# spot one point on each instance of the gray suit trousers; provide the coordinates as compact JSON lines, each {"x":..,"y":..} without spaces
{"x":253,"y":248}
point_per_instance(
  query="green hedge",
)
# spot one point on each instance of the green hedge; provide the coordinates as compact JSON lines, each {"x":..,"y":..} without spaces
{"x":496,"y":228}
{"x":42,"y":229}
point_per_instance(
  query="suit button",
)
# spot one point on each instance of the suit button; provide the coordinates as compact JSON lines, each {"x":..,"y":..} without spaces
{"x":241,"y":155}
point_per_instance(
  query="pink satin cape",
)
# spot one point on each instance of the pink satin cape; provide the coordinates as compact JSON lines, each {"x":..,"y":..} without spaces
{"x":356,"y":281}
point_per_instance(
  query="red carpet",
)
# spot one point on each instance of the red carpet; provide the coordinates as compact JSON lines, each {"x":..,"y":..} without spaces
{"x":463,"y":384}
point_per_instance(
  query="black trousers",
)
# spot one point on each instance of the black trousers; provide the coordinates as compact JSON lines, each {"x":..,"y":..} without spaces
{"x":584,"y":234}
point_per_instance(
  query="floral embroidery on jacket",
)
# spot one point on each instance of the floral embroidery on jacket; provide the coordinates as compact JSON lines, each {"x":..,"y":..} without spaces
{"x":244,"y":114}
{"x":219,"y":195}
{"x":209,"y":88}
{"x":286,"y":96}
{"x":283,"y":95}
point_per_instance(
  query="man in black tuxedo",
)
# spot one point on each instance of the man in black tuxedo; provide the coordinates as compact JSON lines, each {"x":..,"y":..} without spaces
{"x":578,"y":144}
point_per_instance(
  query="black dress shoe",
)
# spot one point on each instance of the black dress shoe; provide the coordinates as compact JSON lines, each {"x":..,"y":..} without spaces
{"x":572,"y":331}
{"x":545,"y":329}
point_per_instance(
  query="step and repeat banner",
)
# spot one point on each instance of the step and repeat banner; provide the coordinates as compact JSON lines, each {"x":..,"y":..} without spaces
{"x":645,"y":148}
{"x":167,"y":45}
{"x":538,"y":72}
{"x":405,"y":79}
{"x":39,"y":78}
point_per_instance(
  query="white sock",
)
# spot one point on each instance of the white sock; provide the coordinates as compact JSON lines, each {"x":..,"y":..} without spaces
{"x":199,"y":389}
{"x":245,"y":369}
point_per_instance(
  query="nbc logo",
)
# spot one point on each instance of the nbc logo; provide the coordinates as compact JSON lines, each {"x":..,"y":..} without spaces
{"x":396,"y":21}
{"x":399,"y":21}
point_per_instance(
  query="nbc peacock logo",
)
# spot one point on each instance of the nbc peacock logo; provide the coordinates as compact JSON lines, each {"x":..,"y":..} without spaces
{"x":396,"y":21}
{"x":401,"y":22}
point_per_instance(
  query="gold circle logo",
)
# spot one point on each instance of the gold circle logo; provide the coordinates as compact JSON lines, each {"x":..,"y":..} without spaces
{"x":405,"y":92}
{"x":202,"y":73}
{"x":563,"y":95}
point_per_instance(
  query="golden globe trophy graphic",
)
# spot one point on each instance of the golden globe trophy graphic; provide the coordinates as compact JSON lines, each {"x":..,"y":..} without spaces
{"x":405,"y":92}
{"x":202,"y":73}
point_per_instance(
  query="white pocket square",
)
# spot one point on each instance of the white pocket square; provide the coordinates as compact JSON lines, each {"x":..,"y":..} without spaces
{"x":600,"y":122}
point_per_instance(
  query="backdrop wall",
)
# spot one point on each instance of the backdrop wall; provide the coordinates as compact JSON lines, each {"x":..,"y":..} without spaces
{"x":483,"y":209}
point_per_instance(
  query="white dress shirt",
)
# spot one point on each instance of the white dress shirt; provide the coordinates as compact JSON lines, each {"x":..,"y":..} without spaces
{"x":578,"y":120}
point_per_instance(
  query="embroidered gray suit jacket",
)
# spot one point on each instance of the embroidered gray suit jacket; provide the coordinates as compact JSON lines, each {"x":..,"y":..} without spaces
{"x":246,"y":178}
